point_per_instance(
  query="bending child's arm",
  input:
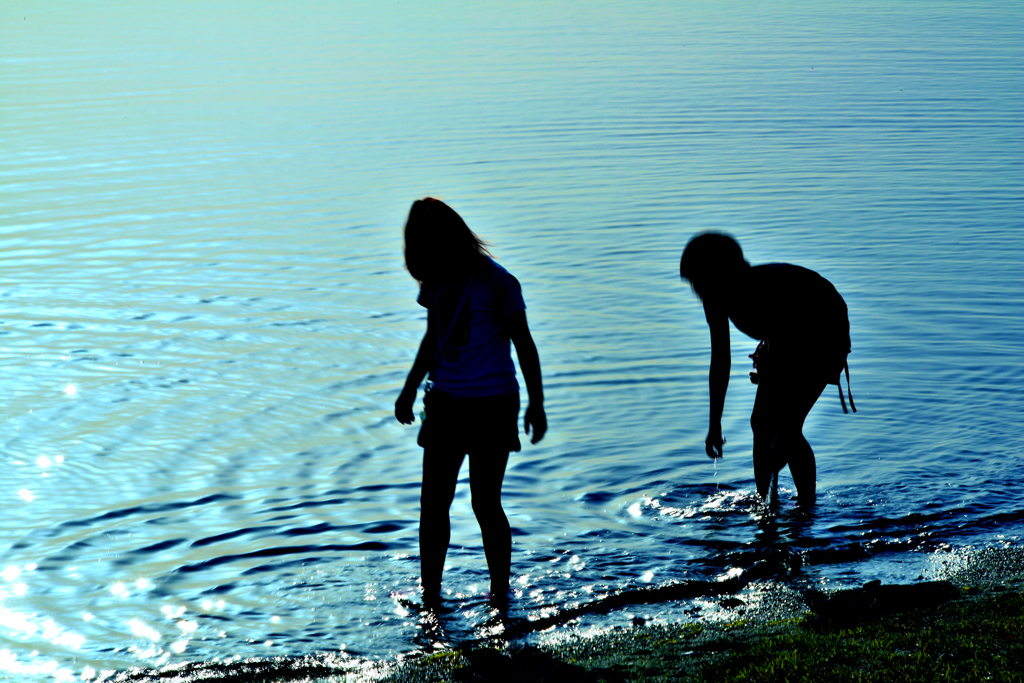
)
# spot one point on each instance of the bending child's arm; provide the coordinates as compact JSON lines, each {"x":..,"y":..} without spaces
{"x":529,"y":362}
{"x":420,"y":368}
{"x":718,"y":378}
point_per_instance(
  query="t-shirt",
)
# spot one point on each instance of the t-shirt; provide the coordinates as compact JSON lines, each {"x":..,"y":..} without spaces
{"x":477,"y":358}
{"x":793,"y":308}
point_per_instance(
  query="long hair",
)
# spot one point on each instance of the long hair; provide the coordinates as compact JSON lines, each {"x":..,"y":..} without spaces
{"x":438,"y":243}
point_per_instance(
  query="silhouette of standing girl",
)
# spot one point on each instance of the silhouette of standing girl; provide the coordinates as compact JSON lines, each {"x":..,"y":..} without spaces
{"x":474,"y":309}
{"x":802,"y":322}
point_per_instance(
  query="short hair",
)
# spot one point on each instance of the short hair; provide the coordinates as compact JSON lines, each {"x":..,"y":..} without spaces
{"x":436,"y":237}
{"x":709,"y":253}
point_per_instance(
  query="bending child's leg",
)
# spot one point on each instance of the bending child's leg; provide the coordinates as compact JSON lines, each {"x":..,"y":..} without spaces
{"x":486,"y":472}
{"x":765,"y":468}
{"x":764,"y":421}
{"x":798,"y":452}
{"x":802,"y":467}
{"x":782,"y":403}
{"x":440,"y":473}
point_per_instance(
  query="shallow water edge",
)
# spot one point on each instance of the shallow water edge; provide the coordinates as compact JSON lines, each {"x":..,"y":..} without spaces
{"x":743,"y":609}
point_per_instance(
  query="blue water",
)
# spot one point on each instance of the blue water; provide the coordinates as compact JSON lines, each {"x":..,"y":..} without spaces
{"x":205,"y":320}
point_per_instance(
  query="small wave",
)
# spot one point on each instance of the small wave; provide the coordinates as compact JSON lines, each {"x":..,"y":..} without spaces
{"x":318,"y":550}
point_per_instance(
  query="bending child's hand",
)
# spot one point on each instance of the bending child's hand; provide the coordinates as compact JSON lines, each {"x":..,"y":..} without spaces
{"x":403,"y":407}
{"x":713,"y":444}
{"x":535,"y":418}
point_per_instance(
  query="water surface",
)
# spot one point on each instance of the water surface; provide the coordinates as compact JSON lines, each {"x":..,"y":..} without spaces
{"x":206,"y":321}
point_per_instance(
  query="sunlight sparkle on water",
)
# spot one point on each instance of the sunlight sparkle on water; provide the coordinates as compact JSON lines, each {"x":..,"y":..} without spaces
{"x":70,"y":390}
{"x":144,"y":630}
{"x":17,"y":622}
{"x":9,"y":663}
{"x":172,"y":612}
{"x":732,"y":573}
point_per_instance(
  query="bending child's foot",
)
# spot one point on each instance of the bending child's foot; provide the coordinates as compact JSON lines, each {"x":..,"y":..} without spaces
{"x":806,"y":502}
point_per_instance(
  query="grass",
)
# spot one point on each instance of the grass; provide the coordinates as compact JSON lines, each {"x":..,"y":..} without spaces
{"x":964,"y":640}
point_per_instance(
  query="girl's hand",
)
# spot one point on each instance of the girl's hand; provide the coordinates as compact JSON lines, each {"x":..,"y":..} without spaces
{"x":713,"y":444}
{"x":535,"y":418}
{"x":403,"y":407}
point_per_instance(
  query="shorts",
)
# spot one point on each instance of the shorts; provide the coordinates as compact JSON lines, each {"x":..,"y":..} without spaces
{"x":469,"y":424}
{"x":819,"y":359}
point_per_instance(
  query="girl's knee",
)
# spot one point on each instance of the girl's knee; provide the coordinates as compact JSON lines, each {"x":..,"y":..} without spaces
{"x":487,"y":507}
{"x":437,"y":498}
{"x":490,"y":515}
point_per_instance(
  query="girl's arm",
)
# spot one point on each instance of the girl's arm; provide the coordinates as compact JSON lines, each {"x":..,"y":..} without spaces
{"x":420,"y":368}
{"x":529,"y":362}
{"x":718,"y":377}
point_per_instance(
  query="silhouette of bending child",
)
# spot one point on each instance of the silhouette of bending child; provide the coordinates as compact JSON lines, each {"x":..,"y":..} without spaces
{"x":474,"y":308}
{"x":802,"y":322}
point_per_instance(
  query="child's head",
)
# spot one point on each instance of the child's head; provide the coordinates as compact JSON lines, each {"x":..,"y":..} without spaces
{"x":709,"y":260}
{"x":438,"y":243}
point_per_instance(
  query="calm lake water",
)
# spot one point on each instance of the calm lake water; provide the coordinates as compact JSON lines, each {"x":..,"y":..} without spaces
{"x":205,"y":320}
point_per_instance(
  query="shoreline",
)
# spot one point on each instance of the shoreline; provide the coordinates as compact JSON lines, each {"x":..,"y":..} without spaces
{"x":966,"y":626}
{"x":917,"y":633}
{"x":929,"y":631}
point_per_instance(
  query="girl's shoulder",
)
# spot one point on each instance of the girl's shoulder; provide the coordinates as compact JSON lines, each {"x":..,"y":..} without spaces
{"x":495,"y":275}
{"x":505,"y":290}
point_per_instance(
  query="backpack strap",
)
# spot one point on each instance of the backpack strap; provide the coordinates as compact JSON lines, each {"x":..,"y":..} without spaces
{"x":846,"y":367}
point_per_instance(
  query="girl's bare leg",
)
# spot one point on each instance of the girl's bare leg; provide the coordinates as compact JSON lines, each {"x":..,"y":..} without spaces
{"x":440,"y":474}
{"x":486,"y":472}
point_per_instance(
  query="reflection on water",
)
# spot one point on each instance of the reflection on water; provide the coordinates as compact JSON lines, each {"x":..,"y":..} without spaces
{"x":204,"y":319}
